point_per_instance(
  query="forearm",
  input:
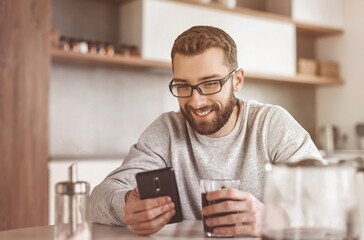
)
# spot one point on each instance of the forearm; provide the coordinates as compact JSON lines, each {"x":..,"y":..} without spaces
{"x":107,"y":203}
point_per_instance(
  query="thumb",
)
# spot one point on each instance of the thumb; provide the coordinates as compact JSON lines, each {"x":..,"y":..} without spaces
{"x":134,"y":194}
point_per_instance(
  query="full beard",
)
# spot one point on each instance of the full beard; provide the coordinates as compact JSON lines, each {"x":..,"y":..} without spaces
{"x":210,"y":127}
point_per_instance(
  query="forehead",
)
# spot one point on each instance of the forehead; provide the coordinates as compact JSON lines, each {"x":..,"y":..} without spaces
{"x":193,"y":67}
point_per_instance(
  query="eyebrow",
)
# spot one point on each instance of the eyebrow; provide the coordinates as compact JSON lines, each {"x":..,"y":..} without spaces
{"x":212,"y":76}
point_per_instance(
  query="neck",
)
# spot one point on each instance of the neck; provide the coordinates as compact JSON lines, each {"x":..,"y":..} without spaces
{"x":230,"y":124}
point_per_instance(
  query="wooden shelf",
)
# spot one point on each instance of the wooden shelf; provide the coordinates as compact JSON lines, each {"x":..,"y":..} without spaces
{"x":120,"y":61}
{"x":315,"y":30}
{"x":299,"y":79}
{"x":102,"y":60}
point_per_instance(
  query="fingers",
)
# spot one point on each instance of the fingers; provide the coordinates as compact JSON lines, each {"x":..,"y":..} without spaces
{"x":136,"y":206}
{"x":149,"y":214}
{"x":242,"y":215}
{"x":229,"y":193}
{"x":229,"y":206}
{"x":132,"y":195}
{"x":135,"y":193}
{"x":231,"y":219}
{"x":150,"y":227}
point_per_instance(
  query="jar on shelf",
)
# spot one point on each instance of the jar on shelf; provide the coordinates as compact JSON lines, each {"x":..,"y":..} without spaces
{"x":74,"y":46}
{"x":64,"y":44}
{"x":100,"y":48}
{"x":109,"y":49}
{"x":92,"y":48}
{"x":82,"y":46}
{"x":124,"y":50}
{"x":134,"y":51}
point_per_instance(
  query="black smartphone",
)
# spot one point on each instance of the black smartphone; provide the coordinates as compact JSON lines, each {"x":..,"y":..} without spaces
{"x":160,"y":182}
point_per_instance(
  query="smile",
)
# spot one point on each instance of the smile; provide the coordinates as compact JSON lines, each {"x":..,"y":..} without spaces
{"x":203,"y":113}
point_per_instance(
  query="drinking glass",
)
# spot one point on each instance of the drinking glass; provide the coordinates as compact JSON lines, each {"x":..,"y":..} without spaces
{"x":210,"y":185}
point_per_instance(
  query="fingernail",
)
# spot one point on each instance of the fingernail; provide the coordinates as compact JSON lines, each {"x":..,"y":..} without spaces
{"x":168,"y":199}
{"x":208,"y":222}
{"x":173,"y":212}
{"x":171,"y":205}
{"x":204,"y":211}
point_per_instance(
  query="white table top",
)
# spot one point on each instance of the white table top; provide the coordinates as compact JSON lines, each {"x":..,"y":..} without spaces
{"x":188,"y":229}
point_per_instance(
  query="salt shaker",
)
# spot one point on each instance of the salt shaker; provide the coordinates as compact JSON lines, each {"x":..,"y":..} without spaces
{"x":72,"y":208}
{"x":360,"y":179}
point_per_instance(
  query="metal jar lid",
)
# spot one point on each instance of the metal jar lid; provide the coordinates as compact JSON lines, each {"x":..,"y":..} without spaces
{"x":72,"y":188}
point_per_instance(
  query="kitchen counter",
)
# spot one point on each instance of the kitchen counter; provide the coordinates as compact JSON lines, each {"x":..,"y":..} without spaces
{"x":337,"y":155}
{"x":186,"y":230}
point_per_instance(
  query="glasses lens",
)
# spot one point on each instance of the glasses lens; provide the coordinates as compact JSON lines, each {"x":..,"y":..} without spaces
{"x":210,"y":87}
{"x":181,"y":90}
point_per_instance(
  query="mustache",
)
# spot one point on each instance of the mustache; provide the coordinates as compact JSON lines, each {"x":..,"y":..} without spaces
{"x":204,"y":108}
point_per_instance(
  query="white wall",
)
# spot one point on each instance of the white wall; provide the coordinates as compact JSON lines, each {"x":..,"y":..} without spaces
{"x":343,"y":105}
{"x":102,"y":111}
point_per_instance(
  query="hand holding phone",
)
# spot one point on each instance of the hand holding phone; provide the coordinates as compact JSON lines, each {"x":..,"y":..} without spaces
{"x":160,"y":182}
{"x":147,"y":216}
{"x":157,"y":203}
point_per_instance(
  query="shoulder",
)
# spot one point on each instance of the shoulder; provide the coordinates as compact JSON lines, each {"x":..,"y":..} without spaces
{"x":264,"y":111}
{"x":172,"y":119}
{"x":166,"y":123}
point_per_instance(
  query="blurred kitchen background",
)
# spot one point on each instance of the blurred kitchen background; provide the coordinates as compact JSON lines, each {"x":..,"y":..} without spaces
{"x":81,"y":79}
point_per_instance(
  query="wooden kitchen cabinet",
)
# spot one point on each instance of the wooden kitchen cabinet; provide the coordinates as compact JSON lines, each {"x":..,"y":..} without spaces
{"x":264,"y":46}
{"x":149,"y":30}
{"x":24,"y":81}
{"x":326,"y":12}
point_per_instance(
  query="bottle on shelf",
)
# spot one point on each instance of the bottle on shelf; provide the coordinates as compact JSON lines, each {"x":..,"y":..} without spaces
{"x":100,"y":48}
{"x":92,"y":48}
{"x":74,"y":46}
{"x":109,"y":49}
{"x":82,"y":46}
{"x":64,"y":43}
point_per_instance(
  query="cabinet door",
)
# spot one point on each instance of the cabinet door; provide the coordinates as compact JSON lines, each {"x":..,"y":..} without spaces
{"x":264,"y":46}
{"x":322,"y":12}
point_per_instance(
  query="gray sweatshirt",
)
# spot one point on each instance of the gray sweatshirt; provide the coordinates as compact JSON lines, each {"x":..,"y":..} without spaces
{"x":263,"y":133}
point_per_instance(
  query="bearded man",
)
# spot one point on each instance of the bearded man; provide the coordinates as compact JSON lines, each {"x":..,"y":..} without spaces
{"x":213,"y":136}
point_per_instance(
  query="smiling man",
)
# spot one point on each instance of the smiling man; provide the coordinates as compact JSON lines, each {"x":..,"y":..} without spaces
{"x":215,"y":135}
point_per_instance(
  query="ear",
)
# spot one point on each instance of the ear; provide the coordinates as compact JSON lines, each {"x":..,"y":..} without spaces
{"x":238,"y":80}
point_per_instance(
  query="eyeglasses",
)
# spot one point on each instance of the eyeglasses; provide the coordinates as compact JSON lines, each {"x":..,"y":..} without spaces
{"x":204,"y":88}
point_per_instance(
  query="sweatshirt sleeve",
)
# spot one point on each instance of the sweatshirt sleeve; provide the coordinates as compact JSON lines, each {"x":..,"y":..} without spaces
{"x":287,"y":140}
{"x":151,"y":152}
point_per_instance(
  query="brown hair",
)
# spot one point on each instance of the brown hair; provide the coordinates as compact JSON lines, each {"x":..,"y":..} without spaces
{"x":197,"y":39}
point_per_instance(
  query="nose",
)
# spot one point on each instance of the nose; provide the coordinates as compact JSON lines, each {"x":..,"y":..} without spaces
{"x":197,"y":100}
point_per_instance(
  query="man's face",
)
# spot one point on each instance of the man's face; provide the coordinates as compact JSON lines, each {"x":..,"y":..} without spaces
{"x":206,"y":114}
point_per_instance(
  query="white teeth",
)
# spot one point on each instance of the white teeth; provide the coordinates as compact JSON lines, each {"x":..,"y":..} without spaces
{"x":201,"y":114}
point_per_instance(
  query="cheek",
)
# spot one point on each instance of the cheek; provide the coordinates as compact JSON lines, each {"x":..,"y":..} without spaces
{"x":182,"y":102}
{"x":224,"y":95}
